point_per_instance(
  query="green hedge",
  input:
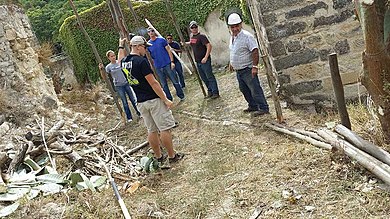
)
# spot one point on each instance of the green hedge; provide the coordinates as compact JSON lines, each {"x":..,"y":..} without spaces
{"x":99,"y":25}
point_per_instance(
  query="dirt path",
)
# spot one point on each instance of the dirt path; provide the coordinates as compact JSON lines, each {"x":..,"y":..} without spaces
{"x":231,"y":169}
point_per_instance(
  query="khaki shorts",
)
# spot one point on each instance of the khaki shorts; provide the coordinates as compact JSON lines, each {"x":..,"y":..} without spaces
{"x":156,"y":115}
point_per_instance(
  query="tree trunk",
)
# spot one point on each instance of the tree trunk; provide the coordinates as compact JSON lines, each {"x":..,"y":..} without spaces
{"x":376,"y":68}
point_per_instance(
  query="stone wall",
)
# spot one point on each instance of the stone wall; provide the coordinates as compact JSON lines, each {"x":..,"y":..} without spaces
{"x":302,"y":34}
{"x":23,"y":84}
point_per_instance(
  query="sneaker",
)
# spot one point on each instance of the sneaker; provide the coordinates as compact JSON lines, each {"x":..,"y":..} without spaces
{"x":260,"y":113}
{"x":162,"y":158}
{"x":215,"y":96}
{"x":129,"y":120}
{"x":182,"y":99}
{"x":248,"y":110}
{"x":208,"y":96}
{"x":178,"y":156}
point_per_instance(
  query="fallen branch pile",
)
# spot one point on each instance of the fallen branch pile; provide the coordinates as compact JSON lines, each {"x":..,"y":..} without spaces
{"x":373,"y":158}
{"x":32,"y":168}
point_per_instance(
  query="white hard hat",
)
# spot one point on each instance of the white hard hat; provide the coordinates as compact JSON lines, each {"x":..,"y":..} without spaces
{"x":233,"y":19}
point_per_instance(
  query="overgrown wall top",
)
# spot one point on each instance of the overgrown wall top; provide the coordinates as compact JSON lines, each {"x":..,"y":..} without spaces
{"x":99,"y":25}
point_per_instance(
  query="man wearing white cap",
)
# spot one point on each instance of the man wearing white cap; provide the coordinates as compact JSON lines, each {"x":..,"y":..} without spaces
{"x":151,"y":99}
{"x":244,"y":59}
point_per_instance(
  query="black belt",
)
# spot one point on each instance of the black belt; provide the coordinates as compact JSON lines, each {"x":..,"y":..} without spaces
{"x":238,"y":71}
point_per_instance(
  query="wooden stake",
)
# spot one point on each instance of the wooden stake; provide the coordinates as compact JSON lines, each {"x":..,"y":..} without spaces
{"x":103,"y":72}
{"x":188,"y":52}
{"x":262,"y":38}
{"x":338,"y":90}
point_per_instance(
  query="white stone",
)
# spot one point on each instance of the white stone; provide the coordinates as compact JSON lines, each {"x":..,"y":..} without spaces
{"x":4,"y":128}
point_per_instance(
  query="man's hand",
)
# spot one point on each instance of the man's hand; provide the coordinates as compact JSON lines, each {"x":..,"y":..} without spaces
{"x":230,"y":68}
{"x":122,"y":41}
{"x":254,"y":72}
{"x":204,"y":60}
{"x":172,"y":65}
{"x":168,"y":103}
{"x":101,"y":66}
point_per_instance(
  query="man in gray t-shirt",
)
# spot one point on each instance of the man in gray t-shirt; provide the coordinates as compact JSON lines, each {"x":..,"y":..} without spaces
{"x":121,"y":84}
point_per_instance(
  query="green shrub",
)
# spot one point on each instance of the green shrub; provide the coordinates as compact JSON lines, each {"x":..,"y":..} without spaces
{"x":99,"y":25}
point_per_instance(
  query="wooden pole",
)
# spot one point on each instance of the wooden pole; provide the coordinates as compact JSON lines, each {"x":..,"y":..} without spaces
{"x":339,"y":90}
{"x":133,"y":13}
{"x":262,"y":38}
{"x":125,"y":32}
{"x":103,"y":73}
{"x":188,"y":52}
{"x":364,"y":145}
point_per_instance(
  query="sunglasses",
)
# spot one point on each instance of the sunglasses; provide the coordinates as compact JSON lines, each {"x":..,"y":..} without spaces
{"x":150,"y":31}
{"x":193,"y":27}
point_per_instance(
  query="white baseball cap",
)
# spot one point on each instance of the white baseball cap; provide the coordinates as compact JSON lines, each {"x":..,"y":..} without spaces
{"x":139,"y":40}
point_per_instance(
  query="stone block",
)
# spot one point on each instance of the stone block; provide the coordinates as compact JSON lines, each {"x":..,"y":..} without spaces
{"x":284,"y":79}
{"x":302,"y":87}
{"x":324,"y":53}
{"x":337,"y":18}
{"x":10,"y":34}
{"x":342,"y":47}
{"x":293,"y":46}
{"x":306,"y":11}
{"x":277,"y":48}
{"x":285,"y":30}
{"x":298,"y":58}
{"x":271,"y":5}
{"x":338,"y":4}
{"x":313,"y":39}
{"x":269,"y":19}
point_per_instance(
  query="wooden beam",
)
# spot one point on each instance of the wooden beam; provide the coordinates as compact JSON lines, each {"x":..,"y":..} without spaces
{"x":188,"y":52}
{"x":262,"y":38}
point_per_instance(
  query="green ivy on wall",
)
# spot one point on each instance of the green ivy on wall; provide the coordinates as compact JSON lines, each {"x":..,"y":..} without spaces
{"x":99,"y":25}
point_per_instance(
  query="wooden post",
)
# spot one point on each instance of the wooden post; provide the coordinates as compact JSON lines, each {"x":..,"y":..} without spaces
{"x":103,"y":72}
{"x":133,"y":13}
{"x":188,"y":52}
{"x":338,"y":90}
{"x":262,"y":38}
{"x":125,"y":33}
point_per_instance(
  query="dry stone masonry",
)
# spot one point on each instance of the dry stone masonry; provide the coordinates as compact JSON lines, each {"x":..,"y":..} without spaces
{"x":22,"y":79}
{"x":302,"y":34}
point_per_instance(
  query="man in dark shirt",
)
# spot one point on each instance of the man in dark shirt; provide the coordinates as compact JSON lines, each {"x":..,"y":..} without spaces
{"x":152,"y":101}
{"x":201,"y":47}
{"x":178,"y":68}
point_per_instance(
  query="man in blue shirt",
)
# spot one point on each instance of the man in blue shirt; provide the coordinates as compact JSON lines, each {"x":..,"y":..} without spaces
{"x":178,"y":68}
{"x":164,"y":63}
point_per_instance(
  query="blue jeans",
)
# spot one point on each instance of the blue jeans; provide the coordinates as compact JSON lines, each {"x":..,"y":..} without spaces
{"x":206,"y":73}
{"x":179,"y":70}
{"x":122,"y":91}
{"x":165,"y":72}
{"x":250,"y":87}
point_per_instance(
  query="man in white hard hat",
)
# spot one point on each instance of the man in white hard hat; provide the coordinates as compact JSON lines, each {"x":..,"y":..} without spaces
{"x":244,"y":59}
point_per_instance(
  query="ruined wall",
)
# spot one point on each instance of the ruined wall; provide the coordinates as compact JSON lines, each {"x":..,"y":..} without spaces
{"x":302,"y":35}
{"x":23,"y":84}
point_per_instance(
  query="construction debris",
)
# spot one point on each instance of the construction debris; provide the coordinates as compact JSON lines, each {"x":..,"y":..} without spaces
{"x":32,"y":169}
